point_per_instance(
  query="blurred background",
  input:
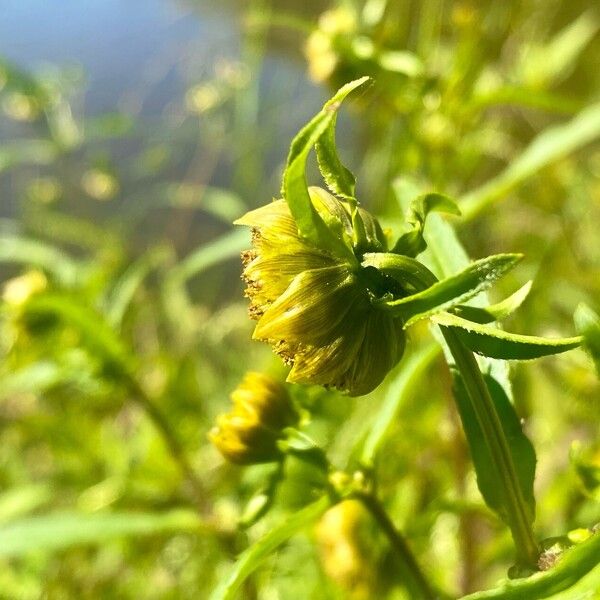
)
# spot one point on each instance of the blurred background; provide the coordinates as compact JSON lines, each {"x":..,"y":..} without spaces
{"x":132,"y":134}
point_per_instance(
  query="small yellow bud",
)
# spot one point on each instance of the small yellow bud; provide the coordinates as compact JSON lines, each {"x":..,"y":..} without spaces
{"x":261,"y":410}
{"x":346,"y":549}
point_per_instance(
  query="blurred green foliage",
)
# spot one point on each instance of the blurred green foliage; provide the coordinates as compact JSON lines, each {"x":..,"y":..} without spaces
{"x":123,"y":328}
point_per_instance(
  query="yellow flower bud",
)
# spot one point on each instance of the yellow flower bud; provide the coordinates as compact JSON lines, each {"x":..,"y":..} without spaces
{"x":249,"y":433}
{"x":346,"y":547}
{"x":318,"y":309}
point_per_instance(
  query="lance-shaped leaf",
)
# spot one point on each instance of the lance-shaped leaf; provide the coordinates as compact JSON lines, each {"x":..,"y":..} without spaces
{"x":521,"y":449}
{"x":496,"y":343}
{"x":57,"y":531}
{"x":453,"y":290}
{"x":494,"y":312}
{"x":587,"y":323}
{"x":295,"y":189}
{"x":96,"y":333}
{"x":412,"y":242}
{"x":252,"y":558}
{"x":339,"y":179}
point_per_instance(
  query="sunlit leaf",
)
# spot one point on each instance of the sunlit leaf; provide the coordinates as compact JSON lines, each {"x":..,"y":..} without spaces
{"x":254,"y":556}
{"x":549,"y":146}
{"x":33,"y":378}
{"x":522,"y":451}
{"x":294,"y":189}
{"x":127,"y":285}
{"x":412,"y":242}
{"x":39,"y":254}
{"x":494,"y":312}
{"x":455,"y":289}
{"x":587,"y":323}
{"x":49,"y":533}
{"x":21,"y":500}
{"x":409,"y":372}
{"x":338,"y":178}
{"x":95,"y":331}
{"x":496,"y":343}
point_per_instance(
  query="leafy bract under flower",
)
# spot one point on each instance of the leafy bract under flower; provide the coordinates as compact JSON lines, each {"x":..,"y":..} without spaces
{"x":315,"y":306}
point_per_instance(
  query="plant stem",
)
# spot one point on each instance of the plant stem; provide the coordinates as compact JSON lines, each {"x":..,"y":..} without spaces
{"x":415,"y":580}
{"x":170,"y":439}
{"x":487,"y":416}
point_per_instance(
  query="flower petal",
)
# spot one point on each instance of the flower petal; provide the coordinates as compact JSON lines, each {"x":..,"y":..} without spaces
{"x":314,"y":303}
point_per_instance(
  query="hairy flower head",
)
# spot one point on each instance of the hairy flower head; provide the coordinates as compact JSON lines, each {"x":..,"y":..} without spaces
{"x":249,"y":433}
{"x":316,"y":306}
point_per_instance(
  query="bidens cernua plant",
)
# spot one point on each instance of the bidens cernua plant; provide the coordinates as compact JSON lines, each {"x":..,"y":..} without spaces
{"x":334,"y":294}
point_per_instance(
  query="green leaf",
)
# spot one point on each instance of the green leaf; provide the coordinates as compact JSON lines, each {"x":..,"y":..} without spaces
{"x":19,"y":152}
{"x":496,"y":343}
{"x":14,"y":249}
{"x":577,"y":571}
{"x":412,"y":242}
{"x":587,"y":323}
{"x":400,"y":61}
{"x":338,"y":178}
{"x":549,"y":146}
{"x":522,"y":451}
{"x":124,"y":291}
{"x":19,"y":501}
{"x":177,"y":302}
{"x":524,"y":97}
{"x":295,"y":189}
{"x":34,"y":378}
{"x":409,"y":373}
{"x":95,"y":331}
{"x":224,"y":248}
{"x":547,"y":63}
{"x":453,"y":290}
{"x":57,"y":531}
{"x":494,"y":312}
{"x":254,"y":556}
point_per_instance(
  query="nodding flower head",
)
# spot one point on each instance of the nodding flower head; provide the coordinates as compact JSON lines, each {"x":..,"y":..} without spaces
{"x":316,"y":306}
{"x":249,"y":433}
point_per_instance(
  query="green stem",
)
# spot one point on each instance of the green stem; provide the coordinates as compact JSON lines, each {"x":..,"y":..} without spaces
{"x":489,"y":421}
{"x":413,"y":577}
{"x":170,"y":439}
{"x":415,"y":580}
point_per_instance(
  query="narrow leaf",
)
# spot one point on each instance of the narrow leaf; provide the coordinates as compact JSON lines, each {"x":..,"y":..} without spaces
{"x":32,"y":252}
{"x":412,"y":242}
{"x":32,"y":379}
{"x":254,"y":556}
{"x":549,"y":146}
{"x":410,"y":371}
{"x":494,"y":312}
{"x":338,"y":178}
{"x":587,"y":323}
{"x":455,"y":289}
{"x":522,"y":451}
{"x":295,"y":189}
{"x":496,"y":343}
{"x":92,"y":326}
{"x":57,"y":531}
{"x":226,"y":247}
{"x":126,"y":287}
